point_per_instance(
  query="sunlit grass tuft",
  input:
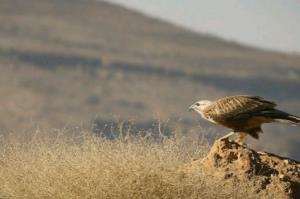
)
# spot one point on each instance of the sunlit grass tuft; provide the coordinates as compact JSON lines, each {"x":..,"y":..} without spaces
{"x":88,"y":166}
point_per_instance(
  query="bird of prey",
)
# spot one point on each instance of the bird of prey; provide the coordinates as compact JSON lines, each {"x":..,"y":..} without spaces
{"x":243,"y":114}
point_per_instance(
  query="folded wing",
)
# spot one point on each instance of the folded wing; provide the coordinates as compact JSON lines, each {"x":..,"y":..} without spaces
{"x":234,"y":106}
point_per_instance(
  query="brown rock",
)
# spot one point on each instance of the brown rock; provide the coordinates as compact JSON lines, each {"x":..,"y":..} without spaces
{"x":272,"y":176}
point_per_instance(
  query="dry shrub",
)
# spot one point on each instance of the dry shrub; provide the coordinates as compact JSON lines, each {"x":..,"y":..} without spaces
{"x":87,"y":166}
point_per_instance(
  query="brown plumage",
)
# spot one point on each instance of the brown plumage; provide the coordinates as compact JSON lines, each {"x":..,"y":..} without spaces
{"x":243,"y":114}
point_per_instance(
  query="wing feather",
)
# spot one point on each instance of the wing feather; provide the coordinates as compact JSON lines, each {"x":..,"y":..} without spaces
{"x":234,"y":105}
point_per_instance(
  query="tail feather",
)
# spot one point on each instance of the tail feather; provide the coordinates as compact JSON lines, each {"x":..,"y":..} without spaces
{"x":281,"y":116}
{"x":291,"y":119}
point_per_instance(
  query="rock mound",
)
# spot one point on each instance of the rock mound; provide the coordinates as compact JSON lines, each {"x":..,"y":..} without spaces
{"x":270,"y":175}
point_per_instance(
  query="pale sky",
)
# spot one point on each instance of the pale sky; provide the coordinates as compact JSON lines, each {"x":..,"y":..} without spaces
{"x":269,"y":24}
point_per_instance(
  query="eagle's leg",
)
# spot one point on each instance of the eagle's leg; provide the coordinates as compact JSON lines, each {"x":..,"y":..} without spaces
{"x":227,"y":136}
{"x":241,"y":138}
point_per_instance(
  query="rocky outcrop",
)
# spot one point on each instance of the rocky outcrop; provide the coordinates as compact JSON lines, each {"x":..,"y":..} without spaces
{"x":270,"y":175}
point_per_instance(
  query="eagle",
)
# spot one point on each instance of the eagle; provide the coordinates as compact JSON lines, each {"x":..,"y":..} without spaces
{"x":243,"y":114}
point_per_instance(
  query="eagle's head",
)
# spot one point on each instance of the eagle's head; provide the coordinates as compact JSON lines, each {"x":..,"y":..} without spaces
{"x":199,"y":106}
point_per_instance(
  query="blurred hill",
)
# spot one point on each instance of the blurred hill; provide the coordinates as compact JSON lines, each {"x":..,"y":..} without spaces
{"x":70,"y":62}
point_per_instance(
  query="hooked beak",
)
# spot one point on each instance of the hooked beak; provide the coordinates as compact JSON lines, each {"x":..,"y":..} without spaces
{"x":191,"y":108}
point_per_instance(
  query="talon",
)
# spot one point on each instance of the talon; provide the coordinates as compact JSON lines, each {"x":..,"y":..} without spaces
{"x":241,"y":138}
{"x":241,"y":143}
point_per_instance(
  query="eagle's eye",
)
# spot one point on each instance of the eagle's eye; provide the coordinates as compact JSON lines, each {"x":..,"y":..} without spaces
{"x":197,"y":104}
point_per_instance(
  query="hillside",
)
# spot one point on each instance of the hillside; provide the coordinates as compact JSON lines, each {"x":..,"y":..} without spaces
{"x":68,"y":63}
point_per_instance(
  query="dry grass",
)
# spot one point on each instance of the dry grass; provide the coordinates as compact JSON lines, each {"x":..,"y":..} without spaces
{"x":87,"y":166}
